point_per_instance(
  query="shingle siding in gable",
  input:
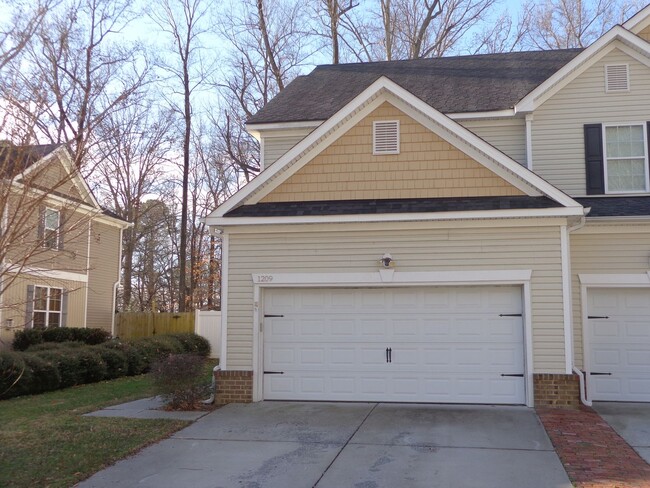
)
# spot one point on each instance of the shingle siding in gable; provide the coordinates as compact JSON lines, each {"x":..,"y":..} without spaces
{"x":558,"y":125}
{"x":645,"y":34}
{"x":426,"y":167}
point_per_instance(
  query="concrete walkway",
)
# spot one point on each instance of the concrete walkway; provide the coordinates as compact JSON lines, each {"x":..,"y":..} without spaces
{"x":631,"y":421}
{"x":361,"y":445}
{"x":147,"y":408}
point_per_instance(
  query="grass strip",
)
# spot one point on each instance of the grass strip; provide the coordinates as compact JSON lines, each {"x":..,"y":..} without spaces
{"x":45,"y":442}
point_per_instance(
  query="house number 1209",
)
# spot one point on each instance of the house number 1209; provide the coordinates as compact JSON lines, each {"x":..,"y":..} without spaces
{"x":264,"y":278}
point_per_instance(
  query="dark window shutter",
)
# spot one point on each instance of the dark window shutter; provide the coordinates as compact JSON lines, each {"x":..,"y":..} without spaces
{"x":40,"y":233}
{"x":64,"y":308}
{"x":594,"y":160}
{"x":29,"y":307}
{"x":61,"y":229}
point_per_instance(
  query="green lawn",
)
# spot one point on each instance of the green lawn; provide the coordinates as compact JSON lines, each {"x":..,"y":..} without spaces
{"x":45,"y":442}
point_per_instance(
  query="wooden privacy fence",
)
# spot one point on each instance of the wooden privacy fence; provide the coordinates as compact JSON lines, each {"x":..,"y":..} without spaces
{"x":134,"y":325}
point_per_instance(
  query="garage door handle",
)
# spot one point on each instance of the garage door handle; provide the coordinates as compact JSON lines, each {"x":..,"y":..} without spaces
{"x":601,"y":374}
{"x":390,"y":355}
{"x":597,"y":317}
{"x":510,"y":315}
{"x":519,"y":375}
{"x":269,"y":316}
{"x":273,"y":372}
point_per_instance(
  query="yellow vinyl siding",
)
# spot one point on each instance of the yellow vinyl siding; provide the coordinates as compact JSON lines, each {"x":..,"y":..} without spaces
{"x":619,"y":249}
{"x":104,"y":272}
{"x":645,"y":34}
{"x":53,"y":176}
{"x":558,"y":133}
{"x":345,"y":248}
{"x":507,"y":135}
{"x":15,"y":296}
{"x":426,"y":167}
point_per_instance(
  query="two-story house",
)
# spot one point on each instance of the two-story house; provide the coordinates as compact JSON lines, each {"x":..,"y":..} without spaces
{"x":60,"y":249}
{"x":470,"y":229}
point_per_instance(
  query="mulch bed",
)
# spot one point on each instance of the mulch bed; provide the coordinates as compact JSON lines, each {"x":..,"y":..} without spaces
{"x":592,"y":453}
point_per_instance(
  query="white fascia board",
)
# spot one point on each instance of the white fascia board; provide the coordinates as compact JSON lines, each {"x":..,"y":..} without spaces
{"x":399,"y":217}
{"x":320,"y":136}
{"x":578,"y":65}
{"x":492,"y":114}
{"x":638,"y":21}
{"x":256,"y":129}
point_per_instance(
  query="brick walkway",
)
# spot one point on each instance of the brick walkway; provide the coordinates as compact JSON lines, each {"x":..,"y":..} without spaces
{"x":593,"y":454}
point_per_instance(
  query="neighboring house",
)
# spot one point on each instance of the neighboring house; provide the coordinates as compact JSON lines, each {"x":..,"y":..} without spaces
{"x":61,"y":249}
{"x":467,"y":230}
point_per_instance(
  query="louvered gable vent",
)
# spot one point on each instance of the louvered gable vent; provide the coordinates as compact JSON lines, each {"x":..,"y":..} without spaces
{"x":617,"y":78}
{"x":385,"y":137}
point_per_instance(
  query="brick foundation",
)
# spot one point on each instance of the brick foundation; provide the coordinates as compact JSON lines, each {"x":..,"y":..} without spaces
{"x":557,"y":390}
{"x":234,"y":387}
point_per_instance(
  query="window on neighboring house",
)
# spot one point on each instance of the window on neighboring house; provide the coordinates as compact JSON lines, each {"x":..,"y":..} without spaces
{"x":626,"y":158}
{"x":51,"y":223}
{"x":47,"y":307}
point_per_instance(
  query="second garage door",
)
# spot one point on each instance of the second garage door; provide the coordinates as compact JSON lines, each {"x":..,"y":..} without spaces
{"x":433,"y":344}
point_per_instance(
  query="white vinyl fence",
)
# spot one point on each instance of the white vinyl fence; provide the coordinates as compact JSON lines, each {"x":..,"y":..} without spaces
{"x":207,"y":324}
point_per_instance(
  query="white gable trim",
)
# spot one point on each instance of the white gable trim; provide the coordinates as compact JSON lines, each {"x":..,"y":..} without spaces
{"x":363,"y":104}
{"x":66,"y":160}
{"x":639,"y":21}
{"x":638,"y":48}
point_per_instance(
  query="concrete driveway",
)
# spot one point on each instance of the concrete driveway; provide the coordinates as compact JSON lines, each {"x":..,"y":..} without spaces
{"x":631,"y":421}
{"x":361,"y":445}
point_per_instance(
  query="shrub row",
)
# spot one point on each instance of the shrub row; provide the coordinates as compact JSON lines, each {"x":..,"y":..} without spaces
{"x":30,"y":337}
{"x":46,"y":367}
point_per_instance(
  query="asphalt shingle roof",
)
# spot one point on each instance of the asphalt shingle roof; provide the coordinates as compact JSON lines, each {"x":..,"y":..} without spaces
{"x":450,"y":85}
{"x":617,"y":206}
{"x":408,"y":205}
{"x":16,"y":159}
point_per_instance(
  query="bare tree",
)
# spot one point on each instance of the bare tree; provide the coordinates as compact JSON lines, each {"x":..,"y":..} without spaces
{"x":185,"y":23}
{"x":134,"y":151}
{"x":21,"y":21}
{"x":331,"y":14}
{"x":261,"y":62}
{"x":76,"y":70}
{"x":562,"y":24}
{"x":505,"y":34}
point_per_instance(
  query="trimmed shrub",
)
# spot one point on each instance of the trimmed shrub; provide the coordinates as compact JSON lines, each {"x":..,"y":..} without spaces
{"x":66,"y":363}
{"x":25,"y":338}
{"x":179,"y":378}
{"x":54,"y":346}
{"x":193,"y":343}
{"x":91,"y":365}
{"x":43,"y":375}
{"x":92,"y":336}
{"x":58,"y":334}
{"x":116,"y":361}
{"x":13,"y":373}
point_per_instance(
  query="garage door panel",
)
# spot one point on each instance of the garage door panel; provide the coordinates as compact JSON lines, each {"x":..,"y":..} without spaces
{"x":619,"y":344}
{"x":448,"y":345}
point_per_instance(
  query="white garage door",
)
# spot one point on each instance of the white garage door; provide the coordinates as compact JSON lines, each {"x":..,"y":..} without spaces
{"x":434,"y":344}
{"x":618,"y":325}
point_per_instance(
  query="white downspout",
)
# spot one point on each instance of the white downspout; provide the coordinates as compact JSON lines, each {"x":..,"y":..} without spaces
{"x":581,"y":374}
{"x":117,"y":283}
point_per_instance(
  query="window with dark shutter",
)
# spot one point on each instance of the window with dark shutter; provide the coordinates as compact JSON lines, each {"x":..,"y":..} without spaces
{"x":594,"y":159}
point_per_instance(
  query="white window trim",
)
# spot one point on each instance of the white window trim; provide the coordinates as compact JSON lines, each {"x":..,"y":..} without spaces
{"x":57,"y":244}
{"x":47,"y":310}
{"x":389,"y":278}
{"x":627,"y":74}
{"x":374,"y":140}
{"x":644,"y":126}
